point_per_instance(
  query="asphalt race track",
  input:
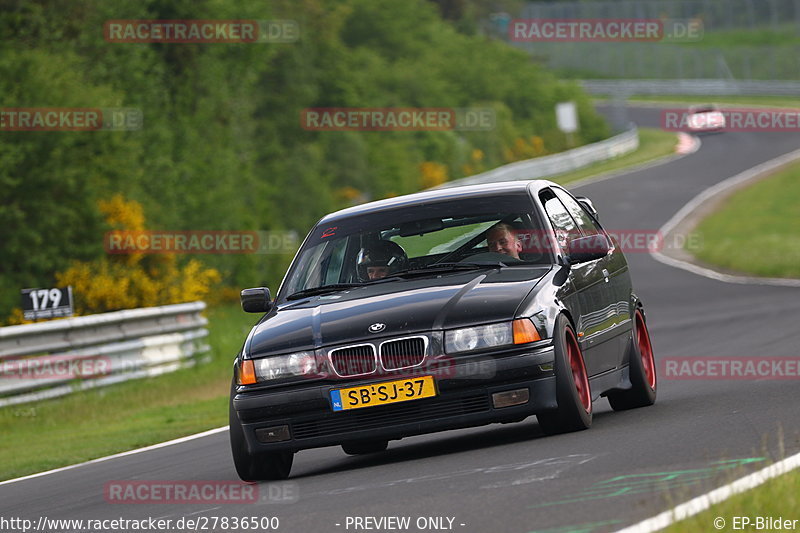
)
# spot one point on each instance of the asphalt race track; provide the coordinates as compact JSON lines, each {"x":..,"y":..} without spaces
{"x":628,"y":466}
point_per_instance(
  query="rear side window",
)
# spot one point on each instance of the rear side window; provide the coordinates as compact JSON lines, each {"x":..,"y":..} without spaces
{"x":579,"y":214}
{"x":563,"y":224}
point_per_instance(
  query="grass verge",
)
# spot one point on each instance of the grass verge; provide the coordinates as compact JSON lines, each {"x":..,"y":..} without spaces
{"x":653,"y":144}
{"x":763,"y":53}
{"x":103,"y":421}
{"x":765,"y":101}
{"x":778,"y":497}
{"x":783,"y":35}
{"x":755,"y":230}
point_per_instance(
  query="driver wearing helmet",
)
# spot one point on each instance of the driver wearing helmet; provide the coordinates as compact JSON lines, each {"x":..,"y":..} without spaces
{"x":379,"y":259}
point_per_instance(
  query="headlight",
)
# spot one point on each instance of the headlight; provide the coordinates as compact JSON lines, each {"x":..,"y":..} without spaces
{"x":519,"y":331}
{"x":476,"y":338}
{"x":285,"y":366}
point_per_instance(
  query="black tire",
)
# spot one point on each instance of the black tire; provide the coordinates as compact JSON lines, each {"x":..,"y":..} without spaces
{"x":259,"y":467}
{"x":642,"y":370}
{"x":573,"y":392}
{"x":363,"y":447}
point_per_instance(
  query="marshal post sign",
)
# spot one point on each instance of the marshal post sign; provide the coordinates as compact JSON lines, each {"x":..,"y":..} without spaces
{"x":47,"y":303}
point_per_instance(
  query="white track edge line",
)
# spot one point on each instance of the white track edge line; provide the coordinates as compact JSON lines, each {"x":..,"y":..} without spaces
{"x":603,"y":176}
{"x":578,"y":183}
{"x":718,"y":495}
{"x":118,"y":455}
{"x":656,"y":255}
{"x":697,"y":201}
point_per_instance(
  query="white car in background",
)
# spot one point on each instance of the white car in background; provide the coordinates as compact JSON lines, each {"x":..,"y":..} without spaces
{"x":705,"y":118}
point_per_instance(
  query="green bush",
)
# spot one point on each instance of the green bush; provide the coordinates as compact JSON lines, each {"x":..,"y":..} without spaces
{"x":222,"y":147}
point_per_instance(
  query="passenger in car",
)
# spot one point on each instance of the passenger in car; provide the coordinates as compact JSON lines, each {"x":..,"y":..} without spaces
{"x":502,"y":238}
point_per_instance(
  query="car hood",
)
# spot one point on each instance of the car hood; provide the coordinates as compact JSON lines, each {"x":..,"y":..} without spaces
{"x":405,"y":306}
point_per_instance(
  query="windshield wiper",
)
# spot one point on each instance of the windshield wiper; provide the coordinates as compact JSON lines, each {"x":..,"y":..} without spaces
{"x":448,"y":267}
{"x":322,"y":289}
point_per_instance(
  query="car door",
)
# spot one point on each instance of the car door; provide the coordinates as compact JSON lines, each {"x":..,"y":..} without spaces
{"x":592,"y":289}
{"x":613,"y":332}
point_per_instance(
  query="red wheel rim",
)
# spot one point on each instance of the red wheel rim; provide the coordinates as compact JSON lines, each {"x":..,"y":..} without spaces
{"x":578,"y":371}
{"x":646,"y":350}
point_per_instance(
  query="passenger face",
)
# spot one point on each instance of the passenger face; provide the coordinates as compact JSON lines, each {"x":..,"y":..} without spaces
{"x":377,"y":272}
{"x":502,"y":241}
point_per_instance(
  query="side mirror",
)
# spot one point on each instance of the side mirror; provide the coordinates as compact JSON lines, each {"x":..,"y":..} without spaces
{"x":584,"y":249}
{"x":588,"y":205}
{"x":256,"y":300}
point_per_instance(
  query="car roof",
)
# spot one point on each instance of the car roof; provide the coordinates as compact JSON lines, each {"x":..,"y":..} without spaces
{"x":435,"y":195}
{"x":703,"y":108}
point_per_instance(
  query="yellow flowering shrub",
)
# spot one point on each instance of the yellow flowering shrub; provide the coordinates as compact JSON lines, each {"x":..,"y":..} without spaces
{"x":432,"y":174}
{"x":349,"y":195}
{"x":134,"y":280}
{"x":17,"y":317}
{"x":475,"y":166}
{"x":525,"y":149}
{"x":538,"y":145}
{"x":122,"y":214}
{"x":223,"y":294}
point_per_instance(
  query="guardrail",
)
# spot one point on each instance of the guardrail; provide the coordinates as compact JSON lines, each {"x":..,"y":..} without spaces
{"x":716,"y":15}
{"x":709,"y":87}
{"x":551,"y":165}
{"x":56,"y":358}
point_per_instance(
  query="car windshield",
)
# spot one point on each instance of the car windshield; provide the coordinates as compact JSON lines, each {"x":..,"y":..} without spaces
{"x":703,"y":109}
{"x":415,"y":239}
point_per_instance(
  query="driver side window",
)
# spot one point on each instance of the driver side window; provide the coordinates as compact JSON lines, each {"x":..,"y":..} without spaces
{"x":563,"y":223}
{"x":587,"y":225}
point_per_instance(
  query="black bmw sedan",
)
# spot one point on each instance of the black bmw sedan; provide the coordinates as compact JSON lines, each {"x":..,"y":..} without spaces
{"x":439,"y":310}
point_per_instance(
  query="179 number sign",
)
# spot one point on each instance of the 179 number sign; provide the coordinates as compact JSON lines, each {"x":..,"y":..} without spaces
{"x":47,"y":303}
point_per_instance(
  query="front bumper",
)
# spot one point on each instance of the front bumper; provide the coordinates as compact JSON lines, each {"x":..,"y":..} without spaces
{"x":464,"y":399}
